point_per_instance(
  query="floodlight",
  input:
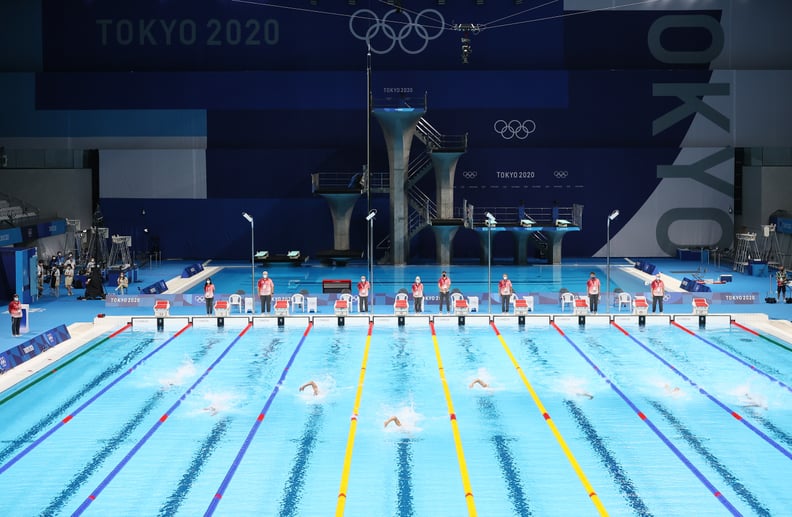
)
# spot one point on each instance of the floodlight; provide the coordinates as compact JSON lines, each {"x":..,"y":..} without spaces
{"x":613,"y":215}
{"x":247,"y":217}
{"x":371,"y":214}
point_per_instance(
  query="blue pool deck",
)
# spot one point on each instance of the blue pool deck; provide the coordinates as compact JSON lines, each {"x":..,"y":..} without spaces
{"x":743,"y":297}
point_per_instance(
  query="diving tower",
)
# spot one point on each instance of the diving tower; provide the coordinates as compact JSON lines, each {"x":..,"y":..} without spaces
{"x":398,"y":125}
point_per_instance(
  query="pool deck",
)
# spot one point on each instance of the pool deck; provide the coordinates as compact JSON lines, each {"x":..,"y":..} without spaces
{"x":89,"y":319}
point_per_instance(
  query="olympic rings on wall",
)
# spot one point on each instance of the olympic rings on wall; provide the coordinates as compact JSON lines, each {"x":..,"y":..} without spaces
{"x":396,"y":30}
{"x":514,"y":128}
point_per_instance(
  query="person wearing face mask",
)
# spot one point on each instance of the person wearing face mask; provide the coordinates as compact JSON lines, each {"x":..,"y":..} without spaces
{"x":444,"y":286}
{"x":363,"y":294}
{"x":593,"y":291}
{"x":15,"y":310}
{"x":265,"y":288}
{"x":209,"y":290}
{"x":505,"y":290}
{"x":418,"y":294}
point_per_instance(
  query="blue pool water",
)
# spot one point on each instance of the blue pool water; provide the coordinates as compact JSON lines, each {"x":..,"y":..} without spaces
{"x":648,"y":420}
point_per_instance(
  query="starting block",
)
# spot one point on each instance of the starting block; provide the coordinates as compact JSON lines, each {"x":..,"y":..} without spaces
{"x":527,"y":222}
{"x":700,"y":306}
{"x":581,"y":306}
{"x":521,"y":306}
{"x":640,"y":306}
{"x":341,"y":308}
{"x":460,"y":307}
{"x":281,"y":307}
{"x":400,"y":307}
{"x":563,"y":223}
{"x":162,"y":308}
{"x":221,"y":308}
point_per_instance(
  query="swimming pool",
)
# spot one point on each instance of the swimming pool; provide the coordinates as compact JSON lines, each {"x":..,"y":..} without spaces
{"x":653,"y":420}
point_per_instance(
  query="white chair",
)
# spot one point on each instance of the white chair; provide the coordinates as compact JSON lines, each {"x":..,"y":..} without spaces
{"x":235,"y":300}
{"x":473,"y":303}
{"x":400,"y":305}
{"x":298,"y":299}
{"x":311,"y":303}
{"x":567,"y":298}
{"x":624,"y":300}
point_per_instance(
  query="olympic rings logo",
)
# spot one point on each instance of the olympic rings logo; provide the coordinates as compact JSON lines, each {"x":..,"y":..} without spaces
{"x":387,"y":27}
{"x":514,"y":128}
{"x":560,"y":174}
{"x":469,"y":175}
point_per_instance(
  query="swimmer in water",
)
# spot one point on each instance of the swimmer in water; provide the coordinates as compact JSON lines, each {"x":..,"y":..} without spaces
{"x":749,"y":401}
{"x":211,"y":410}
{"x":393,"y":419}
{"x":313,"y":385}
{"x":671,"y":390}
{"x":480,"y":383}
{"x":585,"y":394}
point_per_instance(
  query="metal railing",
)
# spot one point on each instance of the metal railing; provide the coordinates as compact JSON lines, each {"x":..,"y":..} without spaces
{"x":509,"y":215}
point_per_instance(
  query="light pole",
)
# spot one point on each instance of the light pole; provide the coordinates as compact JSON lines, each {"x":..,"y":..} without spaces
{"x":249,"y":218}
{"x":370,"y":218}
{"x":611,"y":217}
{"x":490,"y":222}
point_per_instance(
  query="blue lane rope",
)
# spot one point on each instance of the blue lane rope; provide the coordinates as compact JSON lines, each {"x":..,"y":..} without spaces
{"x":87,"y":403}
{"x":720,"y":404}
{"x":701,"y":477}
{"x":253,"y":430}
{"x":106,"y":481}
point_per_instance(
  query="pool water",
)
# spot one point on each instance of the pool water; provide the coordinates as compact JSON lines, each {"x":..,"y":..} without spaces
{"x":652,"y":420}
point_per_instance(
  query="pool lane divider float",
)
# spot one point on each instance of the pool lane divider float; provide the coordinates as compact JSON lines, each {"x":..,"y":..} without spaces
{"x":60,"y":367}
{"x":68,"y":418}
{"x":593,"y":496}
{"x":113,"y":473}
{"x":344,"y":486}
{"x":755,"y":333}
{"x":726,"y":352}
{"x":469,"y":500}
{"x":704,"y":392}
{"x":645,"y":419}
{"x":254,"y":429}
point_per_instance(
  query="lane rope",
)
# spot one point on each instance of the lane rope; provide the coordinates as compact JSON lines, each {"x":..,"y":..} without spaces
{"x":114,"y":472}
{"x":469,"y":499}
{"x":68,"y":418}
{"x":353,"y":420}
{"x":254,"y":429}
{"x":726,"y":352}
{"x":593,"y":496}
{"x":69,"y":361}
{"x":755,"y":333}
{"x":645,"y":419}
{"x":731,"y":412}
